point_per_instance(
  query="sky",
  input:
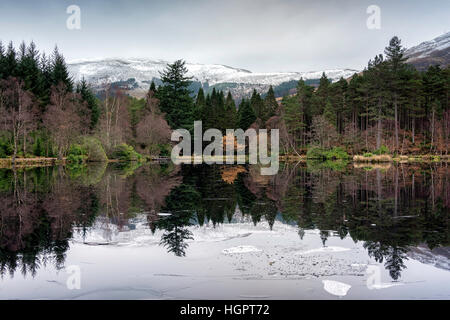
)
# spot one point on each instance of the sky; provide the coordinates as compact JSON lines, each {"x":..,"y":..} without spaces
{"x":258,"y":35}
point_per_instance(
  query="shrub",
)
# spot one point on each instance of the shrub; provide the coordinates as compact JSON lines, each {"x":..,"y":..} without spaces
{"x":77,"y":154}
{"x":315,"y":153}
{"x":38,"y":147}
{"x":124,"y":152}
{"x":5,"y":148}
{"x":94,"y":150}
{"x":367,"y":155}
{"x":337,"y":153}
{"x":383,"y":150}
{"x":164,"y":150}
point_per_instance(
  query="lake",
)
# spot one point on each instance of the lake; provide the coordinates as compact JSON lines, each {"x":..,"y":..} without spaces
{"x":314,"y":231}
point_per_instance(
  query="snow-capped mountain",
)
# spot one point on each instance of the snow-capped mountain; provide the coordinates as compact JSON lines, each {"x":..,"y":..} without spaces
{"x":138,"y":74}
{"x":436,"y":51}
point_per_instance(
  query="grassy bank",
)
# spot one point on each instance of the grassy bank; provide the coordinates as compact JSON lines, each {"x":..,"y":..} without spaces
{"x":30,"y":162}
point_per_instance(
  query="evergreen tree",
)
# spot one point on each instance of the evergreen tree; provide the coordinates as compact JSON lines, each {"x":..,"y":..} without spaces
{"x":88,"y":97}
{"x":153,"y":87}
{"x":321,"y":95}
{"x":174,"y":96}
{"x":270,"y":103}
{"x":377,"y":76}
{"x":29,"y":69}
{"x":59,"y":72}
{"x":257,"y":104}
{"x":10,"y":60}
{"x":395,"y":62}
{"x":230,"y":119}
{"x":200,"y":105}
{"x":246,"y":115}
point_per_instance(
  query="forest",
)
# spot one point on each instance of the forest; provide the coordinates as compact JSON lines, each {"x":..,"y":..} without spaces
{"x":388,"y":108}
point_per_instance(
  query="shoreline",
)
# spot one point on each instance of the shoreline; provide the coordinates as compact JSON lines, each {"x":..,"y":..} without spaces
{"x":6,"y":163}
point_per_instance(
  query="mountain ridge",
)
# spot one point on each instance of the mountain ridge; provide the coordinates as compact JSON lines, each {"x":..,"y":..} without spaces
{"x":432,"y":52}
{"x":139,"y":72}
{"x":135,"y":74}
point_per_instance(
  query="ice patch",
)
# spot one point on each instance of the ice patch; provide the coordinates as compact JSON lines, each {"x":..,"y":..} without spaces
{"x":240,"y":249}
{"x":385,"y":285}
{"x":323,"y":249}
{"x":336,"y":288}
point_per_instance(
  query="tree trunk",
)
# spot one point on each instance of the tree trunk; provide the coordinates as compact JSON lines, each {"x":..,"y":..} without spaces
{"x":25,"y":142}
{"x":432,"y":129}
{"x":379,"y":126}
{"x":396,"y":122}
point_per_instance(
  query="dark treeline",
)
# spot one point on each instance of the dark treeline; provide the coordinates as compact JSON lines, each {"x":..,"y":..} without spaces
{"x":216,"y":110}
{"x":44,"y":113}
{"x":389,"y":107}
{"x":390,"y":103}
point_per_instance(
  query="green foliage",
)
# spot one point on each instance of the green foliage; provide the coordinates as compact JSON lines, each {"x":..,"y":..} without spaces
{"x":38,"y":147}
{"x":174,"y":96}
{"x":88,"y":97}
{"x":94,"y":149}
{"x":77,"y":154}
{"x":246,"y":115}
{"x":316,"y":153}
{"x":164,"y":150}
{"x":124,"y":152}
{"x":336,"y":153}
{"x":6,"y":149}
{"x":335,"y":165}
{"x":382,"y":150}
{"x":367,"y":155}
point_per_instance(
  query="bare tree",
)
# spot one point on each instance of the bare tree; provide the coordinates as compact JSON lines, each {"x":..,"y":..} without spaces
{"x":17,"y":111}
{"x":115,"y":124}
{"x":323,"y":133}
{"x":62,"y":118}
{"x":152,"y":129}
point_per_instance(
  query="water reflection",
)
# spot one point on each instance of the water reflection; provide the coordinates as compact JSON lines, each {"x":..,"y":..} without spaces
{"x":389,"y":208}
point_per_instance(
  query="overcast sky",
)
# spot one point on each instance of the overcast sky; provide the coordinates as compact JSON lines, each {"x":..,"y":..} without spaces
{"x":259,"y":35}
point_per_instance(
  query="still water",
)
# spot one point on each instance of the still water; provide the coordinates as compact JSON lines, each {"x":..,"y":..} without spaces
{"x":158,"y":231}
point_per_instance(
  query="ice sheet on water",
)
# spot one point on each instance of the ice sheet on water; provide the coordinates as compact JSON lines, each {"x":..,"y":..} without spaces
{"x":240,"y":249}
{"x":336,"y":288}
{"x":323,"y":250}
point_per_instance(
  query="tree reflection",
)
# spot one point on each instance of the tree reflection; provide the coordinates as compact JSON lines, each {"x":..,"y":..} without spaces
{"x":389,"y":208}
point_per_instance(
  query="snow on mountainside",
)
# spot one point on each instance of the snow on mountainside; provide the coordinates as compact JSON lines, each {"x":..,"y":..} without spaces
{"x":436,"y":51}
{"x":143,"y":71}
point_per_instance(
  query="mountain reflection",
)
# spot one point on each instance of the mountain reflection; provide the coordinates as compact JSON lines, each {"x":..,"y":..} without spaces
{"x":389,"y":208}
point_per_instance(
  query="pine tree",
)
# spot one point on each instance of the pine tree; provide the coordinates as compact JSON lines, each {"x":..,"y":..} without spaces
{"x":88,"y":97}
{"x":59,"y":71}
{"x":10,"y":69}
{"x":270,"y":103}
{"x":174,"y":96}
{"x":200,"y":105}
{"x":395,"y":63}
{"x":257,"y":104}
{"x":153,"y":87}
{"x":329,"y":113}
{"x":29,"y":69}
{"x":321,"y":95}
{"x":246,"y":115}
{"x":377,"y":77}
{"x":294,"y":117}
{"x":2,"y":61}
{"x":230,"y":112}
